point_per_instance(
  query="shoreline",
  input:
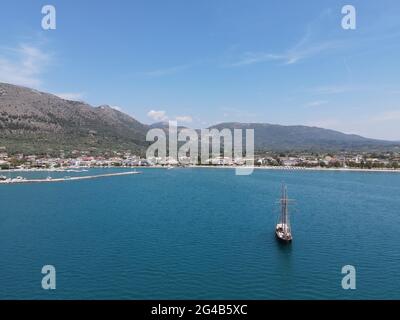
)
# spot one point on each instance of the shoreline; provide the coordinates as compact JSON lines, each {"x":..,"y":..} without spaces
{"x":288,"y":168}
{"x":303,"y":168}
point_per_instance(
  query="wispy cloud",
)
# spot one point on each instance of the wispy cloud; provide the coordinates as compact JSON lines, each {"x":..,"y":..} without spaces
{"x":306,"y":50}
{"x":306,"y":47}
{"x":256,"y":57}
{"x":299,"y":52}
{"x":23,"y":65}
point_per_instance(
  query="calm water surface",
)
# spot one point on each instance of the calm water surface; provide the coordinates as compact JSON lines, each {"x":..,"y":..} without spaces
{"x":201,"y":234}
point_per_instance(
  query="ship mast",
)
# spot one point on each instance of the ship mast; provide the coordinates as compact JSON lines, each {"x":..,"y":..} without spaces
{"x":283,"y":230}
{"x":284,"y":212}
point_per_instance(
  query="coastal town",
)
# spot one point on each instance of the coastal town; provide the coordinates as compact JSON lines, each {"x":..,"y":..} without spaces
{"x":79,"y":159}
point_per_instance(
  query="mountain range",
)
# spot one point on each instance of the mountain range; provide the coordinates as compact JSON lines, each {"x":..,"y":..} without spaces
{"x":36,"y":122}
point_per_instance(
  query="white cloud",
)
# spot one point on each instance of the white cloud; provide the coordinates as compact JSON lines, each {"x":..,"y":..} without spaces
{"x":161,"y":115}
{"x":185,"y":119}
{"x":23,"y":65}
{"x":157,"y":115}
{"x":74,"y":96}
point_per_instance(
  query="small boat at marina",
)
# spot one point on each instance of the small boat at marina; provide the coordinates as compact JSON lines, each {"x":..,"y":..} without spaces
{"x":283,"y":230}
{"x":18,"y":179}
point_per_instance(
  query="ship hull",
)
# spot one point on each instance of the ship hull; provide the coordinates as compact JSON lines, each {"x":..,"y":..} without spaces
{"x":281,"y":235}
{"x":283,"y":239}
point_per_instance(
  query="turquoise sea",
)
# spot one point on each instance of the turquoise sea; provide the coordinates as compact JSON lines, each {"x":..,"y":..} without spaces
{"x":201,"y":234}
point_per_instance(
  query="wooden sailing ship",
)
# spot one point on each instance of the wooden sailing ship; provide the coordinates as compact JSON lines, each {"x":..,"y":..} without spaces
{"x":283,"y":229}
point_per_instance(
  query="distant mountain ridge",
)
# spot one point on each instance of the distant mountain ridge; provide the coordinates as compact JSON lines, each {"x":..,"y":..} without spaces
{"x":297,"y":137}
{"x":36,"y":122}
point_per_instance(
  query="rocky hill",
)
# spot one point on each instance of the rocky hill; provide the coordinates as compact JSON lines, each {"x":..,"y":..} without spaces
{"x":33,"y":121}
{"x":38,"y":122}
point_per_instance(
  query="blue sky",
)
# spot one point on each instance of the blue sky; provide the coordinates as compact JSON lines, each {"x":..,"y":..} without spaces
{"x":203,"y":62}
